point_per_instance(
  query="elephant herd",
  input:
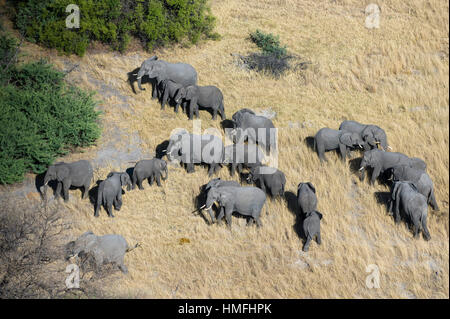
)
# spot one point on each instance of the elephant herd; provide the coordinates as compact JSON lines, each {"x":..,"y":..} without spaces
{"x":253,"y":137}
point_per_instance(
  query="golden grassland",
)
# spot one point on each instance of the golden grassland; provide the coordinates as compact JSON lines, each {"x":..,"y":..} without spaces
{"x":395,"y":77}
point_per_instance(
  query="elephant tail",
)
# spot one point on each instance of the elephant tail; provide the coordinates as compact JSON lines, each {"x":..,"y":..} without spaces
{"x":134,"y":178}
{"x":101,"y":187}
{"x":432,"y":200}
{"x":130,"y":248}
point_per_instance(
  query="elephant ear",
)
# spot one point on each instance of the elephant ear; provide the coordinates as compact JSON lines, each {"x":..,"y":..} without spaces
{"x":62,"y":172}
{"x":311,"y":186}
{"x":319,"y":214}
{"x":394,"y":191}
{"x":346,"y":139}
{"x":123,"y":179}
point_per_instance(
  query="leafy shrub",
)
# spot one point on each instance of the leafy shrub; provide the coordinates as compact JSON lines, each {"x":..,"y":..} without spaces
{"x":273,"y":59}
{"x":269,"y":44}
{"x":114,"y":22}
{"x":42,"y":118}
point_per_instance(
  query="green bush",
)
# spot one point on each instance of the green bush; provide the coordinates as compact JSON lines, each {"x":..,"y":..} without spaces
{"x":41,"y":118}
{"x":114,"y":22}
{"x":268,"y":43}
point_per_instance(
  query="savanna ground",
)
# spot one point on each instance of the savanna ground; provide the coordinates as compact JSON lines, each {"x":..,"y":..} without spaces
{"x":395,"y":77}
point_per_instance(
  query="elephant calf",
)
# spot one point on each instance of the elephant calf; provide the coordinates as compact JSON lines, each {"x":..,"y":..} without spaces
{"x":78,"y":174}
{"x":104,"y":249}
{"x":270,"y":180}
{"x":420,"y":179}
{"x":328,"y":139}
{"x":407,"y":199}
{"x":110,"y":192}
{"x":208,"y":97}
{"x":172,"y":91}
{"x":153,"y":169}
{"x":311,"y":228}
{"x":306,"y":197}
{"x":242,"y":155}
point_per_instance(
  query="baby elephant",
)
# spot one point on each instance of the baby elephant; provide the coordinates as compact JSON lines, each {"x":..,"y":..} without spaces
{"x":172,"y":91}
{"x":328,"y":139}
{"x":208,"y":97}
{"x":270,"y":179}
{"x":311,"y":227}
{"x":306,"y":197}
{"x":110,"y":192}
{"x":406,"y":198}
{"x":153,"y":169}
{"x":104,"y":249}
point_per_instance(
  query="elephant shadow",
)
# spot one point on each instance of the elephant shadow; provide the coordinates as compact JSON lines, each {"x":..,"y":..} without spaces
{"x":200,"y":201}
{"x":309,"y":141}
{"x":132,"y":77}
{"x":39,"y":182}
{"x":161,"y":148}
{"x":383,"y":198}
{"x":292,"y":204}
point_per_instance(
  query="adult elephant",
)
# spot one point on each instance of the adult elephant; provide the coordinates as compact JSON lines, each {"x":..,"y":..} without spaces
{"x":247,"y":201}
{"x":381,"y":161}
{"x":78,"y":174}
{"x":371,"y":134}
{"x":110,"y":192}
{"x":208,"y":97}
{"x":161,"y":70}
{"x":420,"y":179}
{"x":152,"y":169}
{"x":255,"y":128}
{"x":193,"y":149}
{"x":104,"y":249}
{"x":328,"y":139}
{"x":242,"y":155}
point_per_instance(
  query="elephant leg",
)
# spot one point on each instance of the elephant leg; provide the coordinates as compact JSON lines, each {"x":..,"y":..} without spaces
{"x":109,"y":209}
{"x":123,"y":268}
{"x":307,"y":243}
{"x":190,"y":167}
{"x":211,"y":169}
{"x":389,"y":209}
{"x":239,"y":168}
{"x":86,"y":190}
{"x":376,"y":172}
{"x":321,"y":153}
{"x":139,"y":183}
{"x":66,"y":191}
{"x":250,"y":221}
{"x":258,"y":221}
{"x":318,"y":239}
{"x":177,"y":107}
{"x":221,"y":214}
{"x":214,"y":114}
{"x":158,"y":179}
{"x":432,"y":201}
{"x":58,"y":190}
{"x":426,"y":232}
{"x":262,"y":185}
{"x":97,"y":209}
{"x":211,"y":214}
{"x":233,"y":169}
{"x":416,"y":230}
{"x":191,"y":110}
{"x":228,"y":214}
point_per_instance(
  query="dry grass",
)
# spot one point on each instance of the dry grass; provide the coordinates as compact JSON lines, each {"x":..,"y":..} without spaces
{"x":372,"y":76}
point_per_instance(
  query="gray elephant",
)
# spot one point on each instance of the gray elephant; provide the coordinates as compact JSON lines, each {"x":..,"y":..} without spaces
{"x":78,"y":174}
{"x":172,"y":91}
{"x":247,"y":201}
{"x":110,"y":192}
{"x":306,"y":197}
{"x":208,"y":97}
{"x":381,"y":161}
{"x":420,"y":179}
{"x":104,"y":249}
{"x":406,"y":198}
{"x":215,"y":183}
{"x":255,"y":129}
{"x":311,"y":228}
{"x":153,"y":169}
{"x":371,"y":134}
{"x":271,"y":180}
{"x":242,"y":155}
{"x":328,"y":139}
{"x":193,"y":149}
{"x":161,"y":70}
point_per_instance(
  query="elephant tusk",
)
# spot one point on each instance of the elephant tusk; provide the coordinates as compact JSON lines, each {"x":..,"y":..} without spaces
{"x":389,"y":147}
{"x":361,"y":168}
{"x":377,"y":142}
{"x":138,"y":77}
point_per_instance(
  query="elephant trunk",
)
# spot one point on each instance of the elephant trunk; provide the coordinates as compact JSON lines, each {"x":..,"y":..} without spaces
{"x":166,"y":171}
{"x":139,"y":78}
